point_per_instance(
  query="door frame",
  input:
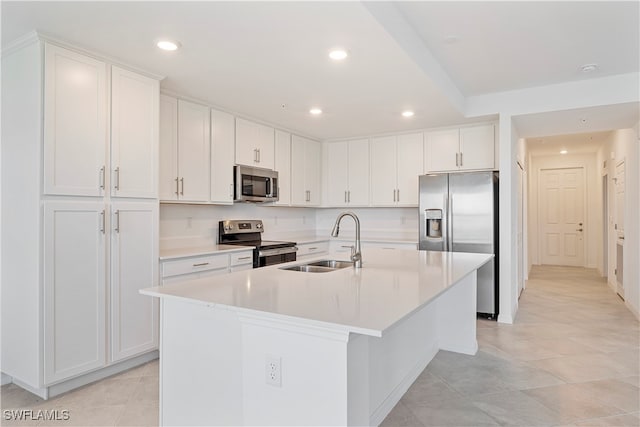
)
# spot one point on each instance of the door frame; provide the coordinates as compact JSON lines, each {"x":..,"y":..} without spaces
{"x":585,"y":223}
{"x":605,"y":225}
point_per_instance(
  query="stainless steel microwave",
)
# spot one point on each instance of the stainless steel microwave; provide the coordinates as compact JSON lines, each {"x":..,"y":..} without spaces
{"x":254,"y":184}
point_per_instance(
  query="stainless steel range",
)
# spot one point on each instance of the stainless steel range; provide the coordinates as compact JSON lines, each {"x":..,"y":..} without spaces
{"x":248,"y":233}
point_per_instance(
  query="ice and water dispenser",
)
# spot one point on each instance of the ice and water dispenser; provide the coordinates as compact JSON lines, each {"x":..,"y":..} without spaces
{"x":434,"y":223}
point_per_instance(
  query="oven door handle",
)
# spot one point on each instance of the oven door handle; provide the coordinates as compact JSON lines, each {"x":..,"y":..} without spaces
{"x":279,"y":251}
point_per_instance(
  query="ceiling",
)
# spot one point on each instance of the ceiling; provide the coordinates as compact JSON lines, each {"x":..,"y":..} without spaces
{"x":589,"y":142}
{"x":268,"y":60}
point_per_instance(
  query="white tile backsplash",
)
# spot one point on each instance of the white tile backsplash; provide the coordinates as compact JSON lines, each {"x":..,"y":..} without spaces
{"x":375,"y":223}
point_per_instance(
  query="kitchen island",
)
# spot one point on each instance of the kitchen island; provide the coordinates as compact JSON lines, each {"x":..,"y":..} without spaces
{"x":275,"y":347}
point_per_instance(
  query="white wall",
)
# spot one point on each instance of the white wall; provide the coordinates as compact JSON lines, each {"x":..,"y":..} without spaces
{"x":184,"y":225}
{"x":623,"y":145}
{"x":593,"y":221}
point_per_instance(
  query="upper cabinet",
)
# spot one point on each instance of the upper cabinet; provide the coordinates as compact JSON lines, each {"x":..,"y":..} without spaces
{"x":396,"y":163}
{"x":254,"y":144}
{"x":184,"y":150}
{"x":347,"y":173}
{"x":305,"y":171}
{"x":468,"y":148}
{"x":283,"y":166}
{"x":134,"y":134}
{"x":222,"y":146}
{"x":75,"y":123}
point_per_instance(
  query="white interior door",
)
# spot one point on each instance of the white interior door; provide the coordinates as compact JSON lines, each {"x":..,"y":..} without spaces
{"x":562,"y":227}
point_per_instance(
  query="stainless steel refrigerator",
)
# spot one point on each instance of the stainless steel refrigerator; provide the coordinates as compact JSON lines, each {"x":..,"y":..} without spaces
{"x":459,"y":213}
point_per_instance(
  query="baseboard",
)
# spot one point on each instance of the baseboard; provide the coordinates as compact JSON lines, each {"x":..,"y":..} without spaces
{"x":632,"y":309}
{"x":470,"y":350}
{"x":503,"y":318}
{"x":76,"y":382}
{"x":381,"y":412}
{"x":42,"y":393}
{"x":5,"y":379}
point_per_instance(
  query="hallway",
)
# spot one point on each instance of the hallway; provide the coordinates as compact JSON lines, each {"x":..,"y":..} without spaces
{"x":571,"y":358}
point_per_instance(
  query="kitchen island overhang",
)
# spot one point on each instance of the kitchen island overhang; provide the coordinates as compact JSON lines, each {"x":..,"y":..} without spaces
{"x":347,"y":344}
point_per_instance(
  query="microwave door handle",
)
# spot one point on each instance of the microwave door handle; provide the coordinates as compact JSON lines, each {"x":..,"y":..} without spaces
{"x":268,"y":187}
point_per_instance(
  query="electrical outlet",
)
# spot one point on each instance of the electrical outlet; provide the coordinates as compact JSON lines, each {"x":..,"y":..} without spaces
{"x":273,"y":371}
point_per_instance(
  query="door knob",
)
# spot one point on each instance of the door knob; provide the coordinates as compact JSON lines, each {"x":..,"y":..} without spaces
{"x":579,"y":229}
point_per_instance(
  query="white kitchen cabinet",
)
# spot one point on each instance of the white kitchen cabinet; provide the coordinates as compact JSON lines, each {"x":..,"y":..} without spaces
{"x":134,"y":134}
{"x":56,"y":280}
{"x":222,"y":147}
{"x":347,"y":173}
{"x":74,"y":304}
{"x":134,"y":266}
{"x":396,"y":163}
{"x":282,"y":164}
{"x":194,"y":151}
{"x":239,"y":261}
{"x":306,"y":250}
{"x":305,"y":171}
{"x":468,"y":148}
{"x":254,"y":144}
{"x":75,"y":123}
{"x":195,"y":267}
{"x":168,"y":151}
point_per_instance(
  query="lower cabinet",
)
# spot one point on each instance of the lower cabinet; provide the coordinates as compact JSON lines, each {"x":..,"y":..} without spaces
{"x":134,"y":261}
{"x":74,"y":288}
{"x":197,"y":267}
{"x":312,"y":249}
{"x":76,"y":310}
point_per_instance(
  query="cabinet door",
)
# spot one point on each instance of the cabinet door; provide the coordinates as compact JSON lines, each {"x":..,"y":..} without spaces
{"x":410,"y":166}
{"x":298,"y":187}
{"x":265,"y":136}
{"x":75,"y":133}
{"x":282,"y":164}
{"x":74,"y":288}
{"x":194,"y":147}
{"x":442,"y":149}
{"x":222,"y":146}
{"x":313,"y":171}
{"x":168,"y":148}
{"x":358,"y":173}
{"x":477,"y":147}
{"x":134,"y":134}
{"x":383,"y":171}
{"x":337,"y":173}
{"x":134,"y":266}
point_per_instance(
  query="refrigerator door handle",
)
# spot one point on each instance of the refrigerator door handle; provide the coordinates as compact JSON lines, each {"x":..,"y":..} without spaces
{"x":450,"y":223}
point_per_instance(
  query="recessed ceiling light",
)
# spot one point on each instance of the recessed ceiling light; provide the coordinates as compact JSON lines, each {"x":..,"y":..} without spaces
{"x":338,"y":54}
{"x":563,"y":151}
{"x":451,"y":39}
{"x":407,"y":113}
{"x":583,"y":120}
{"x":587,"y":68}
{"x":315,"y":111}
{"x":168,"y":45}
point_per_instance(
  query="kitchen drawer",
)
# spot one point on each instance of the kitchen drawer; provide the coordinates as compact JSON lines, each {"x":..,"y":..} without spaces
{"x":195,"y":265}
{"x":314,"y":248}
{"x":200,"y":275}
{"x":241,"y":258}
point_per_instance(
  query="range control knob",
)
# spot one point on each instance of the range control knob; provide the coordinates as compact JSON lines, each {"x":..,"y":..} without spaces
{"x":258,"y":225}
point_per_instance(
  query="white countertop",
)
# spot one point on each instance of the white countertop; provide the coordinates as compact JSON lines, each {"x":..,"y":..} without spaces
{"x":390,"y":286}
{"x":167,"y":254}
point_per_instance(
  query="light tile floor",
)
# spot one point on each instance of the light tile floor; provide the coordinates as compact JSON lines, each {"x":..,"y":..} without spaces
{"x":571,"y":358}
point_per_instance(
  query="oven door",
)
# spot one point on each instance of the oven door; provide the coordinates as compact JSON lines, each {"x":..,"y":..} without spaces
{"x":255,"y":184}
{"x":276,"y":256}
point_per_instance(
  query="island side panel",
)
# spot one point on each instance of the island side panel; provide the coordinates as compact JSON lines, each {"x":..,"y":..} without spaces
{"x":200,"y":365}
{"x":313,"y":363}
{"x":457,"y":316}
{"x":399,"y":357}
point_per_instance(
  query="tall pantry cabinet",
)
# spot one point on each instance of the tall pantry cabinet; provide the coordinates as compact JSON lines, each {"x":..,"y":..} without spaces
{"x":79,"y":215}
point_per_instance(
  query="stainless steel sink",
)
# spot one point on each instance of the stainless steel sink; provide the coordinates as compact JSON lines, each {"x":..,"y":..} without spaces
{"x":323,"y":266}
{"x":332,"y":263}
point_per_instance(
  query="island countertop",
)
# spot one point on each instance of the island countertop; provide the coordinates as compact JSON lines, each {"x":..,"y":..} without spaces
{"x":390,"y":286}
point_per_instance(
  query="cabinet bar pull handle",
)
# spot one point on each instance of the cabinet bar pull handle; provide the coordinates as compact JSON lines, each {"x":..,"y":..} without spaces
{"x":394,"y":194}
{"x":349,"y":196}
{"x":201,"y":264}
{"x":314,"y":248}
{"x":103,"y":221}
{"x":345,"y":197}
{"x":117,"y":183}
{"x":117,"y":228}
{"x":398,"y":190}
{"x":255,"y":155}
{"x":258,"y":155}
{"x":244,"y":257}
{"x":461,"y":162}
{"x":182,"y":189}
{"x":102,"y":172}
{"x":177,"y":186}
{"x":457,"y":163}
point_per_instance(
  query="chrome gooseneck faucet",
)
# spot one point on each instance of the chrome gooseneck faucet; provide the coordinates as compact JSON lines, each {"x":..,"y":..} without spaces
{"x":356,"y":253}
